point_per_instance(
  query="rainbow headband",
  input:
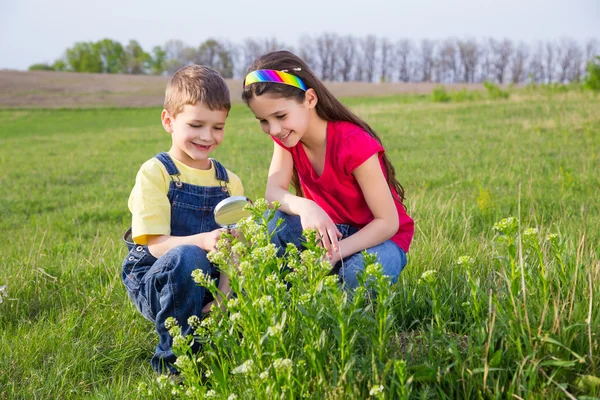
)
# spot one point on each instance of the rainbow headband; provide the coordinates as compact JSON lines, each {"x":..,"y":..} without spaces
{"x":271,"y":75}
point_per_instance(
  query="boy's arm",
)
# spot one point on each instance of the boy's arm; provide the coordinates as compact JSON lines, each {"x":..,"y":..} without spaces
{"x":160,"y":244}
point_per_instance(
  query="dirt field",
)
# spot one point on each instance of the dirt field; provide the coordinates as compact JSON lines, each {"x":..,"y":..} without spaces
{"x":35,"y":89}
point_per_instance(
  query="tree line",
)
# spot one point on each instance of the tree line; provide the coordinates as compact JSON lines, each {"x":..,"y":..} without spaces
{"x":336,"y":57}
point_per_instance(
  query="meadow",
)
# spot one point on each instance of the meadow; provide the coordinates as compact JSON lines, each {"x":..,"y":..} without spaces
{"x":511,"y":312}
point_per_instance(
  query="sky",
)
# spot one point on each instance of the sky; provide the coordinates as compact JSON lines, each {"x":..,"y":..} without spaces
{"x":39,"y":31}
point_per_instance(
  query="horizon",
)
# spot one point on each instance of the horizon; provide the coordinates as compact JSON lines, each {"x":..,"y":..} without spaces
{"x":27,"y":21}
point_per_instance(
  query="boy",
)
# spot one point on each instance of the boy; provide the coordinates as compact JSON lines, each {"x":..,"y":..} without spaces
{"x":172,"y":204}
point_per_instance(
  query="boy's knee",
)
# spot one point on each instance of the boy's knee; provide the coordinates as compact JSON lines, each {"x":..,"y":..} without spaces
{"x":188,"y":257}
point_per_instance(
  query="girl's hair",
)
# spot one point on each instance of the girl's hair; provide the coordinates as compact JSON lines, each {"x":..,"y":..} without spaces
{"x":328,"y":107}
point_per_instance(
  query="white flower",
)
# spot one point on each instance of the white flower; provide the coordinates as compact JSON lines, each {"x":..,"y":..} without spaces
{"x":180,"y":341}
{"x":183,"y":362}
{"x":531,"y":232}
{"x":233,"y":302}
{"x":3,"y":293}
{"x":467,"y":261}
{"x":210,"y":393}
{"x":201,"y":278}
{"x":232,"y":396}
{"x":373,"y":269}
{"x":282,"y":364}
{"x":428,"y":277}
{"x":376,"y":390}
{"x":208,"y":373}
{"x":304,"y":298}
{"x":506,"y":226}
{"x":235,"y":317}
{"x":264,"y":375}
{"x":263,"y":302}
{"x":274,"y":330}
{"x":162,"y":381}
{"x":244,"y":368}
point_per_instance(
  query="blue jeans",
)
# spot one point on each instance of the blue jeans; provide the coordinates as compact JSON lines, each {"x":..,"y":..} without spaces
{"x":391,"y":257}
{"x":162,"y":288}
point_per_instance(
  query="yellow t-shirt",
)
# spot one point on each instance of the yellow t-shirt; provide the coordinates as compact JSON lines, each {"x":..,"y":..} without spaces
{"x":149,"y":204}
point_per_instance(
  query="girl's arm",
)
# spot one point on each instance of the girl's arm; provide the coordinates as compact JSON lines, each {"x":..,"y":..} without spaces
{"x":379,"y":198}
{"x":160,"y":244}
{"x":311,"y":215}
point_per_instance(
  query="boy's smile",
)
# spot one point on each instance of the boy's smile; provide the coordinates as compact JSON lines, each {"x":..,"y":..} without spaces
{"x":196,"y":132}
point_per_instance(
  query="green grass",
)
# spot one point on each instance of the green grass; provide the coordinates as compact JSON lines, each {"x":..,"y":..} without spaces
{"x":68,"y":329}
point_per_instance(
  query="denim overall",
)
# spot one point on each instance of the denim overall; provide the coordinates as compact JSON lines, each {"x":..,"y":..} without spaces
{"x":162,"y":288}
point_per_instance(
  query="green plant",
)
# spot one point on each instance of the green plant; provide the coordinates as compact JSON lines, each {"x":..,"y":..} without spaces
{"x":439,"y":94}
{"x":494,"y":91}
{"x":592,"y":79}
{"x":292,"y":330}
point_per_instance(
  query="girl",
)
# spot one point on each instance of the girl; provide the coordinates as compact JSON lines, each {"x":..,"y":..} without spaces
{"x":346,"y":187}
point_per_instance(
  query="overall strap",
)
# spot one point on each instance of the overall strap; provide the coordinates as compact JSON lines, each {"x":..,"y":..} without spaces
{"x":172,"y":170}
{"x":221,"y":174}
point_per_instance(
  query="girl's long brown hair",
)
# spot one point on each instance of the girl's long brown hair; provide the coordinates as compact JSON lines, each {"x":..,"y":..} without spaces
{"x":328,"y":107}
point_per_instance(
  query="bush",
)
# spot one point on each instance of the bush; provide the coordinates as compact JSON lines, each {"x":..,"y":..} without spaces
{"x":592,"y":80}
{"x":494,"y":91}
{"x":41,"y":67}
{"x":440,"y":95}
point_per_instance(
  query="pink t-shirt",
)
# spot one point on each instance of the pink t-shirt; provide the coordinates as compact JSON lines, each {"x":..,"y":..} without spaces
{"x":337,"y":191}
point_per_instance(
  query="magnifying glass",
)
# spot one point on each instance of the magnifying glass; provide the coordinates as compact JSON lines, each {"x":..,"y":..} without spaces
{"x":230,"y":211}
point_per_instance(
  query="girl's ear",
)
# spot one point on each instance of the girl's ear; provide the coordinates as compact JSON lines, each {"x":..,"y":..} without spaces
{"x":167,"y":121}
{"x":310,"y":98}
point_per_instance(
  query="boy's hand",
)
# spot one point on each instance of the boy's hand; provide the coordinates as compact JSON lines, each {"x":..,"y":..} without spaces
{"x":210,"y":239}
{"x":314,"y":217}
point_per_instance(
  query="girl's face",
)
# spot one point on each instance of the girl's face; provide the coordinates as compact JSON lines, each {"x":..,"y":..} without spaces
{"x":284,"y":119}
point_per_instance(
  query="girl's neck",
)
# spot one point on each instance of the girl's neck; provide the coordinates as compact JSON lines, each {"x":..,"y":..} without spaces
{"x":316,"y":135}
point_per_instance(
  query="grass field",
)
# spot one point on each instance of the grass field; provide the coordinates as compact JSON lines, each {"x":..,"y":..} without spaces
{"x":68,"y":329}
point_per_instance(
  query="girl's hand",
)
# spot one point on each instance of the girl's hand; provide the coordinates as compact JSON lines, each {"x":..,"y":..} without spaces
{"x":314,"y":217}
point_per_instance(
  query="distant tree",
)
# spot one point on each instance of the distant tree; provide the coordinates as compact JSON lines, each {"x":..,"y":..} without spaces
{"x":326,"y":55}
{"x":41,"y":67}
{"x":468,"y":55}
{"x":368,"y":46}
{"x":501,"y":54}
{"x":386,"y":52}
{"x":252,"y":48}
{"x":566,"y":55}
{"x":84,"y":57}
{"x":157,"y":61}
{"x":176,"y":55}
{"x":217,"y":55}
{"x":404,"y":51}
{"x":517,"y":63}
{"x":59,"y":65}
{"x":426,"y":59}
{"x":113,"y":56}
{"x":536,"y":64}
{"x":577,"y":63}
{"x":448,"y":63}
{"x":347,"y":55}
{"x":138,"y":61}
{"x":591,"y":49}
{"x":550,"y":60}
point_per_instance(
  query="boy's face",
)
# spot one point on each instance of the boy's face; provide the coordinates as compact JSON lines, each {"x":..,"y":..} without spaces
{"x":196,"y":132}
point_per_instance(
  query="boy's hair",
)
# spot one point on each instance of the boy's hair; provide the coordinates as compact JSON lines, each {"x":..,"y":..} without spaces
{"x":328,"y":107}
{"x":193,"y":84}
